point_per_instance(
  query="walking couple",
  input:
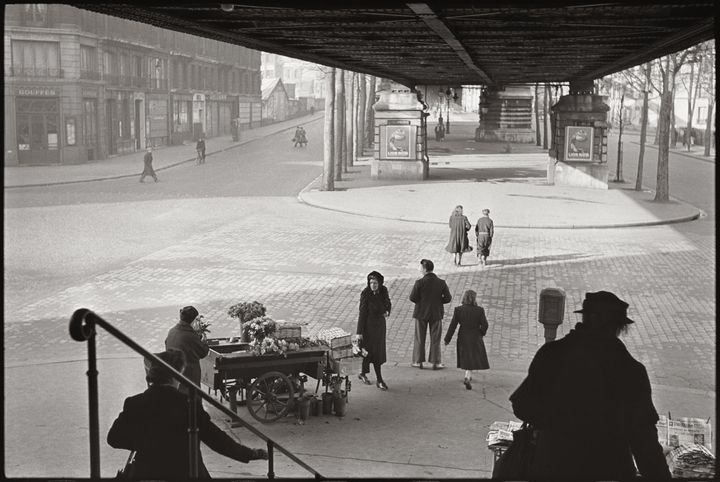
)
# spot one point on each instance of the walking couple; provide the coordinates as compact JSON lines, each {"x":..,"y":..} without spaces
{"x":459,"y":243}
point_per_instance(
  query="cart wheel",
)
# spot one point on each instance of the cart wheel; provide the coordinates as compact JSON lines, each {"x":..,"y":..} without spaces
{"x":269,"y":397}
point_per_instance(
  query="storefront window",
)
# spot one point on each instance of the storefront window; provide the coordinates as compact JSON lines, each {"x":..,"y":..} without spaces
{"x":89,"y":122}
{"x":35,"y":59}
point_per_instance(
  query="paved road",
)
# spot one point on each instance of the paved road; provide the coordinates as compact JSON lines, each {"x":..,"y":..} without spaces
{"x":136,"y":252}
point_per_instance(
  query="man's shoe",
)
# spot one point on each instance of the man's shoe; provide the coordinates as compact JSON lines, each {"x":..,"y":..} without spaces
{"x":416,"y":365}
{"x":438,"y":366}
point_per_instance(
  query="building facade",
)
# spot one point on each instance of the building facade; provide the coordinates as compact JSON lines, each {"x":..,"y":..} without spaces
{"x":80,"y":86}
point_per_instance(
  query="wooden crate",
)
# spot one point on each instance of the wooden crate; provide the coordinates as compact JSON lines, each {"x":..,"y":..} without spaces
{"x":288,"y":330}
{"x":341,"y":342}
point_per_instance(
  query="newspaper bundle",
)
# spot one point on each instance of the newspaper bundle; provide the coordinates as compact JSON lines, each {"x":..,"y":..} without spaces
{"x":674,"y":432}
{"x":500,"y":433}
{"x":691,"y":461}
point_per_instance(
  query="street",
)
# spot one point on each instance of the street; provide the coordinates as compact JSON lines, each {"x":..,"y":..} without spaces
{"x":233,"y":230}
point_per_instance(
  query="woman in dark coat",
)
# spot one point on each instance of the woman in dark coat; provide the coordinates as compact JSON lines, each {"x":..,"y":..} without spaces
{"x":471,"y":354}
{"x":374,"y":308}
{"x":155,"y":425}
{"x":459,"y":227}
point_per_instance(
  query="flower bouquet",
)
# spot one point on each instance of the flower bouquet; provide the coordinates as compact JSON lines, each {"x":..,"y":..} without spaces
{"x":201,"y":327}
{"x":259,"y":328}
{"x":246,"y":312}
{"x":269,"y":345}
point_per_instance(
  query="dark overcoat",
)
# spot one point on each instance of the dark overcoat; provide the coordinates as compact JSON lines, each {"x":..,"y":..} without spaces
{"x":155,"y":424}
{"x":471,"y":353}
{"x":592,"y":405}
{"x":458,"y":242}
{"x":147,"y":162}
{"x":429,"y":294}
{"x":182,"y":337}
{"x":371,"y":322}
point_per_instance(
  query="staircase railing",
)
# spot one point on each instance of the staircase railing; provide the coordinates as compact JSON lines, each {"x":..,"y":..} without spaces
{"x":82,"y":328}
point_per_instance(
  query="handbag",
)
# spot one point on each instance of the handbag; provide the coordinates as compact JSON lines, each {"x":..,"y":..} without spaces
{"x":515,"y":462}
{"x":128,"y":472}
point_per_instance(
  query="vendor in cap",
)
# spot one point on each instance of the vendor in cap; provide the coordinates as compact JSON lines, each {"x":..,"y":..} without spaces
{"x":590,"y":402}
{"x":183,"y":337}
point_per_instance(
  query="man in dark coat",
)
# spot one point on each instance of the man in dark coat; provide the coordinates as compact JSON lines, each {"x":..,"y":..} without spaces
{"x":590,"y":402}
{"x":429,"y":294}
{"x":184,"y":338}
{"x":148,"y":167}
{"x":155,"y":424}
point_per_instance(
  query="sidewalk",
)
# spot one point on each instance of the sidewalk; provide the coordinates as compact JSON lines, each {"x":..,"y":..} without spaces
{"x":131,"y":165}
{"x":512,"y":185}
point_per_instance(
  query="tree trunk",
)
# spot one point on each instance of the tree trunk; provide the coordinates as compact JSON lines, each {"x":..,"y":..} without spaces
{"x":349,"y":111}
{"x":537,"y":117}
{"x":361,"y":107}
{"x":370,"y":114}
{"x":338,"y":122}
{"x":643,"y":128}
{"x":662,"y":192}
{"x":711,"y":106}
{"x":618,"y":170}
{"x":356,"y":106}
{"x":545,"y":116}
{"x":328,"y":179}
{"x":673,"y":129}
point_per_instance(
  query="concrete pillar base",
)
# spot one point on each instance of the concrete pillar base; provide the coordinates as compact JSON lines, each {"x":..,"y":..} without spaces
{"x":384,"y":169}
{"x":581,"y":174}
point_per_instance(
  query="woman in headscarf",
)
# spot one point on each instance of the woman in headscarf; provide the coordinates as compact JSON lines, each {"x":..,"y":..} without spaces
{"x":374,"y":308}
{"x":471,"y":353}
{"x":459,"y":227}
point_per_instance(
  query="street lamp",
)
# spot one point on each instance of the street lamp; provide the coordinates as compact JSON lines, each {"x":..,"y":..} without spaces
{"x":448,"y":94}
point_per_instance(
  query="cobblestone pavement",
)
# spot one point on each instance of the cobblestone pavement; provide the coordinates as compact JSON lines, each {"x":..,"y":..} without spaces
{"x":309,"y":266}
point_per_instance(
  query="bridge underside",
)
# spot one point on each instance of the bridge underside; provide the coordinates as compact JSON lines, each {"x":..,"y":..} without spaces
{"x":444,"y":43}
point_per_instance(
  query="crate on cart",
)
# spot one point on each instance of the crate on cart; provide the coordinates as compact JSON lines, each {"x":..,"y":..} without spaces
{"x":287,"y":329}
{"x":350,"y":365}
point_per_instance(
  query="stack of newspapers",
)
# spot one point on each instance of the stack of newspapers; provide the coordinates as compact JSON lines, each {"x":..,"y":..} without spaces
{"x":691,"y":461}
{"x":500,"y":433}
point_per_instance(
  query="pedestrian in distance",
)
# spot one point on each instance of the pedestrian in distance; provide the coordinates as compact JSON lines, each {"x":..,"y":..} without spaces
{"x":375,"y":307}
{"x":471,"y":353}
{"x":200,"y":148}
{"x":458,"y":242}
{"x":429,"y":294}
{"x":590,"y":402}
{"x":484,"y":231}
{"x":154,"y":424}
{"x":440,"y":130}
{"x":148,"y":169}
{"x":183,"y":337}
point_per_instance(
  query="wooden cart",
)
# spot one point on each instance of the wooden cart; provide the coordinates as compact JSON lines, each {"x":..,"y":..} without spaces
{"x":267,"y":384}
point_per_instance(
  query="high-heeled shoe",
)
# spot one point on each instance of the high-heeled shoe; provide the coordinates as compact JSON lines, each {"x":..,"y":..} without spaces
{"x":382,"y":385}
{"x":364,"y":379}
{"x":467,"y":384}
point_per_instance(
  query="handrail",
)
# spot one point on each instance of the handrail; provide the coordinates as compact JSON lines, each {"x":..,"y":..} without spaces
{"x":82,"y":328}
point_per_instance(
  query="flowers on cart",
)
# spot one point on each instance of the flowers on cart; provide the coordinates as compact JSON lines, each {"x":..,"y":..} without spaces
{"x":269,"y":345}
{"x":246,"y":311}
{"x":259,"y":328}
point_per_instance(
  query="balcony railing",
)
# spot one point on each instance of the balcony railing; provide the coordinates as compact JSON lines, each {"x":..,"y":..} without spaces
{"x":36,"y":72}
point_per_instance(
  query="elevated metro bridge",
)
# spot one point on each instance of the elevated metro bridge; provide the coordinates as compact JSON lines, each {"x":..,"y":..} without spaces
{"x":452,"y":42}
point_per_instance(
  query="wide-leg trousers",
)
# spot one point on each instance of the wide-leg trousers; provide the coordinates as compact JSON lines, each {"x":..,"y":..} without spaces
{"x":421,"y":328}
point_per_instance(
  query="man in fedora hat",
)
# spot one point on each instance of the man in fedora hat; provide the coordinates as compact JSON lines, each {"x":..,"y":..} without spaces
{"x":590,"y":401}
{"x":183,"y":337}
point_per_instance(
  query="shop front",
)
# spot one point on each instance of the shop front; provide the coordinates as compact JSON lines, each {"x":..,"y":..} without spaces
{"x":37,"y":120}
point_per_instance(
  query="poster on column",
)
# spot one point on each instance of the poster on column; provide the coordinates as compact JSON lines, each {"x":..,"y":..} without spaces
{"x":397,"y":142}
{"x":578,"y":143}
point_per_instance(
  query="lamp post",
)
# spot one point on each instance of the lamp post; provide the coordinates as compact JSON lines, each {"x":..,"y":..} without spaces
{"x":483,"y":107}
{"x":448,"y":94}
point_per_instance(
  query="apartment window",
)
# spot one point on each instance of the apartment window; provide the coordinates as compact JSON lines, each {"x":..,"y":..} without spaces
{"x":110,"y":63}
{"x":89,"y":124}
{"x":35,"y":59}
{"x":88,"y":63}
{"x":35,"y":15}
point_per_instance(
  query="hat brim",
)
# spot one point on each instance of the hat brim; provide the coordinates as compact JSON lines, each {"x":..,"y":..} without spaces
{"x":627,"y":320}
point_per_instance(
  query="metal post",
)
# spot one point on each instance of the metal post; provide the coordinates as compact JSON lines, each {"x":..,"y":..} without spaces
{"x":92,"y":374}
{"x":447,"y":120}
{"x":271,"y":464}
{"x":193,"y":440}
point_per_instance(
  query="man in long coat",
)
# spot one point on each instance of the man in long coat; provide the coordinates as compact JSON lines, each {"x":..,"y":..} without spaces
{"x":148,"y":167}
{"x":590,"y":402}
{"x":184,"y":338}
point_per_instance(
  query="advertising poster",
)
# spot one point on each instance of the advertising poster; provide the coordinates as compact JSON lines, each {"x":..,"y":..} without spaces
{"x":397,"y":142}
{"x":578,"y":143}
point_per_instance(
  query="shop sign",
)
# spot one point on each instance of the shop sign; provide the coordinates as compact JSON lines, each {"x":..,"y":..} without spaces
{"x":37,"y":91}
{"x":218,"y":96}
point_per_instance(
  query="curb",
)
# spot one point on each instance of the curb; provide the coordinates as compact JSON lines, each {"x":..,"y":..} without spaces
{"x":676,"y":220}
{"x":709,"y":160}
{"x":122,"y":176}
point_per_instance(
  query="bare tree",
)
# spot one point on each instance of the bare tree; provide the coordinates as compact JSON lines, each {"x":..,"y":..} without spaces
{"x":709,"y":88}
{"x":370,"y":113}
{"x":545,"y":116}
{"x":339,"y":121}
{"x":643,"y":126}
{"x":361,"y":107}
{"x":328,"y":179}
{"x":673,"y":62}
{"x":349,"y":111}
{"x":537,"y":116}
{"x":618,"y":170}
{"x":692,"y":87}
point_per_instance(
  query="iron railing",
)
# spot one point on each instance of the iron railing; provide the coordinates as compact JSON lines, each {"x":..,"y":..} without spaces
{"x":82,"y":328}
